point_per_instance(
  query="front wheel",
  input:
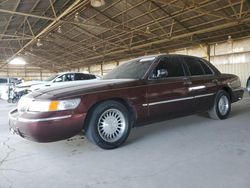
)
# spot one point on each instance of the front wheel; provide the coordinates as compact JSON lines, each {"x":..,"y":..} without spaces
{"x":109,"y":125}
{"x":221,"y":107}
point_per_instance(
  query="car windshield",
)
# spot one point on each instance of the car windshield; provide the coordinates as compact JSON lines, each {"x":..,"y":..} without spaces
{"x":51,"y":78}
{"x":134,"y":69}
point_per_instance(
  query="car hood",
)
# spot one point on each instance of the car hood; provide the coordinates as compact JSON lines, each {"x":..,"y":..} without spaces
{"x":57,"y":84}
{"x":30,"y":83}
{"x":80,"y":88}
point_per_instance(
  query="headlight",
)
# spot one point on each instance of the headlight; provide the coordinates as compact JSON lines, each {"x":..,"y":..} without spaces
{"x":59,"y":105}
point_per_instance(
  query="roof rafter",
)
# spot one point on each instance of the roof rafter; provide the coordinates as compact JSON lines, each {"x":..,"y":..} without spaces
{"x":67,"y":11}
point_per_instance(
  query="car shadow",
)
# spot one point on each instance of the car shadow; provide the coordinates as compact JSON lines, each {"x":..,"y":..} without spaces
{"x":167,"y":126}
{"x":176,"y":124}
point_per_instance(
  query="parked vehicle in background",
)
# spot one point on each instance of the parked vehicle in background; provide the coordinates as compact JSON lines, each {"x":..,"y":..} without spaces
{"x":248,"y":85}
{"x":63,"y":77}
{"x":15,"y":95}
{"x":6,"y":83}
{"x":59,"y":79}
{"x":140,"y":91}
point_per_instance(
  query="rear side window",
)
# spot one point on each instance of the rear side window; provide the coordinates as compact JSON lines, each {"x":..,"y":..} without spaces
{"x":194,"y":66}
{"x":205,"y":67}
{"x":79,"y":76}
{"x":173,"y":65}
{"x":3,"y":81}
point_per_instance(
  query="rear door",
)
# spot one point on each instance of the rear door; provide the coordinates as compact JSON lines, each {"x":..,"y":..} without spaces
{"x":203,"y":83}
{"x":168,"y":96}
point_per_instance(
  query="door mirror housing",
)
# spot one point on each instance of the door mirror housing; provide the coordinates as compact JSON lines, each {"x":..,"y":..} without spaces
{"x":162,"y":73}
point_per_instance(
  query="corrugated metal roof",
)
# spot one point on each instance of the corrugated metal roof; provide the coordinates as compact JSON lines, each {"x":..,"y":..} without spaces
{"x":120,"y":29}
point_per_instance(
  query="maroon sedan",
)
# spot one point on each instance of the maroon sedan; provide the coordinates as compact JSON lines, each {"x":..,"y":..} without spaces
{"x":142,"y":90}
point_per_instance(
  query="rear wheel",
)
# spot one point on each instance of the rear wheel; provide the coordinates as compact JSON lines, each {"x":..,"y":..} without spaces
{"x":221,"y":107}
{"x":109,"y":125}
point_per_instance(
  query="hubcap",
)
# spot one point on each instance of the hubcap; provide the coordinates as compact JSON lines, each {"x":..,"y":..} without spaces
{"x":111,"y":125}
{"x":223,"y":105}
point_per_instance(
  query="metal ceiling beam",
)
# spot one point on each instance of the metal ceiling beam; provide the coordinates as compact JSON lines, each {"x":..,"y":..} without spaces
{"x":17,"y":39}
{"x":199,"y":10}
{"x":8,"y":23}
{"x":232,"y":7}
{"x":241,"y":8}
{"x":64,"y":21}
{"x":201,"y":31}
{"x":26,"y":14}
{"x":14,"y":36}
{"x":42,"y":13}
{"x":186,"y":19}
{"x":165,"y":36}
{"x":46,"y":29}
{"x":151,"y":22}
{"x":53,"y":9}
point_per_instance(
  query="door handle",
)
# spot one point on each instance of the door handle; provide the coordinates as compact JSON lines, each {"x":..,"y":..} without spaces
{"x":187,"y":82}
{"x":197,"y":88}
{"x":215,"y":81}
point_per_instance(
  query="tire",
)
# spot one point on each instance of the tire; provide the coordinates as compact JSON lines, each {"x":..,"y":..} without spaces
{"x":109,"y":125}
{"x":222,"y":106}
{"x":14,"y":100}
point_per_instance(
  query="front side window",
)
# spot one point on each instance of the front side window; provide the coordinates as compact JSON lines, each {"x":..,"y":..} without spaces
{"x":68,"y":77}
{"x":170,"y":66}
{"x":194,"y":66}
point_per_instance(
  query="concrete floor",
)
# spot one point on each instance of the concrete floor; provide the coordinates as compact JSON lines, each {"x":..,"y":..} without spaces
{"x":189,"y":152}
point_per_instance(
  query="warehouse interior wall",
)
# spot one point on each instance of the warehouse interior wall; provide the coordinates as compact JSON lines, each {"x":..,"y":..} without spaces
{"x":26,"y":72}
{"x":232,"y":56}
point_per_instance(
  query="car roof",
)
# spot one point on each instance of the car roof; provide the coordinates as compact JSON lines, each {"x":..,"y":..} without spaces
{"x":165,"y":55}
{"x":61,"y":73}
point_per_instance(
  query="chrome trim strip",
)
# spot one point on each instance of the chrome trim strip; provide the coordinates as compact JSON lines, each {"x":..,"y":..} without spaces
{"x":175,"y":100}
{"x":205,"y":95}
{"x":238,"y":89}
{"x":196,"y":88}
{"x":43,"y":119}
{"x":167,"y":101}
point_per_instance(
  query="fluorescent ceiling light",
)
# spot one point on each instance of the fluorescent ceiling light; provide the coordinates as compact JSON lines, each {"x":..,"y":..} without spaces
{"x":17,"y":61}
{"x":97,"y":3}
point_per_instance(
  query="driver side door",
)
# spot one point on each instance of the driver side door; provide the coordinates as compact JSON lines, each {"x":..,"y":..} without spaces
{"x":168,"y":96}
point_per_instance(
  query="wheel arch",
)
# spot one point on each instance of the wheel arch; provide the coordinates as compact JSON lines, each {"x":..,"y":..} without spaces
{"x":131,"y":110}
{"x":229,"y":91}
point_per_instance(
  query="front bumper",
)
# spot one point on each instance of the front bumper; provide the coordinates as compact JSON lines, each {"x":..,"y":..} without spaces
{"x":46,"y":129}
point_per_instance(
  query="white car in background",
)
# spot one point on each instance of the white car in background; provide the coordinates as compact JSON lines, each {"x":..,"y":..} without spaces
{"x":62,"y":77}
{"x":58,"y":79}
{"x":5,"y":83}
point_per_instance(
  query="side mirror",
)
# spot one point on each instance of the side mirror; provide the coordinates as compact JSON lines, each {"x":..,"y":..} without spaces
{"x":162,"y":73}
{"x":58,"y":80}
